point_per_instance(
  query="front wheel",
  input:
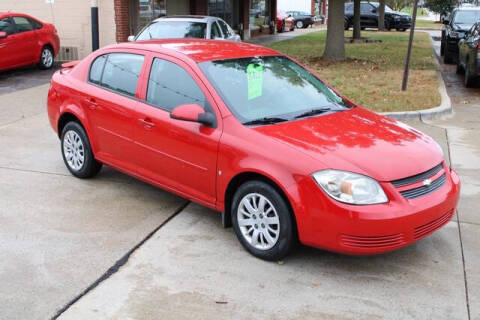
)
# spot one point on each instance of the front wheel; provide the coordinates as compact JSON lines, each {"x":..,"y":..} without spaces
{"x":262,"y":221}
{"x":77,"y":153}
{"x":46,"y":58}
{"x":299,"y":24}
{"x":442,"y":48}
{"x":470,"y":79}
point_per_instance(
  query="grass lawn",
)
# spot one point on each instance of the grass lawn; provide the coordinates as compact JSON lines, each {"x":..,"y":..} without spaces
{"x":428,"y":24}
{"x":372,"y":74}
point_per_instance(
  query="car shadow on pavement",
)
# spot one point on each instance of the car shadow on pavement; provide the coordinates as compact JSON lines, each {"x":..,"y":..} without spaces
{"x":24,"y":78}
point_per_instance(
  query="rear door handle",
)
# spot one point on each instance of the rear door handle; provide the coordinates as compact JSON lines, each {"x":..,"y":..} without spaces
{"x":91,"y":103}
{"x":147,"y":123}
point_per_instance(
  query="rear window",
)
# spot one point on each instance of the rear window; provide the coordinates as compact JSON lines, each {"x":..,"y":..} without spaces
{"x":173,"y":29}
{"x":117,"y":72}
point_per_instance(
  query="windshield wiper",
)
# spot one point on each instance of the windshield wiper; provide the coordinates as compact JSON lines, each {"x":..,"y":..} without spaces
{"x":314,"y":112}
{"x":265,"y":120}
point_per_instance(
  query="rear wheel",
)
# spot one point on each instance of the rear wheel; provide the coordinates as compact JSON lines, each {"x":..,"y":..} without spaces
{"x":262,"y":221}
{"x":77,"y":153}
{"x":299,"y":24}
{"x":46,"y":58}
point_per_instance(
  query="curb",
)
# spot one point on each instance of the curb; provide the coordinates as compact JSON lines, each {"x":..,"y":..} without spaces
{"x":444,"y":109}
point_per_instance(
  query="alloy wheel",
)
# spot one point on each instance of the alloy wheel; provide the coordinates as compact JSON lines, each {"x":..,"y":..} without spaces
{"x":73,"y":150}
{"x":258,"y":221}
{"x":47,"y":58}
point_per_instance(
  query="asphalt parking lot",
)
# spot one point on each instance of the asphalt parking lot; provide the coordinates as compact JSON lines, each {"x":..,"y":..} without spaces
{"x":114,"y":247}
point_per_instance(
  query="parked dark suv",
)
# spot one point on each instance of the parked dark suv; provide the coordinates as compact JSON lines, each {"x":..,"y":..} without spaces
{"x":369,"y":17}
{"x":302,"y":19}
{"x":455,"y":26}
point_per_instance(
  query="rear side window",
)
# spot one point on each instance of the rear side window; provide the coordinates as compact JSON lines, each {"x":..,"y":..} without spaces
{"x":225,"y":29}
{"x":36,"y":25}
{"x":23,"y":25}
{"x":216,"y":31}
{"x":96,"y":70}
{"x":118,"y":72}
{"x":170,"y":86}
{"x":7,"y":26}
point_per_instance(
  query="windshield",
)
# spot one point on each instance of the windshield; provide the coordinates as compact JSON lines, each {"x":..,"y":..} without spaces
{"x":173,"y":29}
{"x":269,"y":87}
{"x":466,"y":17}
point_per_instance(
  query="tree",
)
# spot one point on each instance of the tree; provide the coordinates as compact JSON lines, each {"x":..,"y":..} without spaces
{"x":442,"y":7}
{"x":381,"y":15}
{"x":356,"y":19}
{"x":335,"y":44}
{"x":398,"y":5}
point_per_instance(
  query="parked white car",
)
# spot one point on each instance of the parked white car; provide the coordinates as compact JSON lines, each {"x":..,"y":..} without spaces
{"x":203,"y":27}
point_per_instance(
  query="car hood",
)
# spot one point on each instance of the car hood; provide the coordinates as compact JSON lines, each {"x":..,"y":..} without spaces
{"x":462,"y":26}
{"x":360,"y":141}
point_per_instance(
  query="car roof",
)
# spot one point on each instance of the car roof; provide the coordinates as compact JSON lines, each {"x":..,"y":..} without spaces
{"x":186,"y":18}
{"x":467,"y":8}
{"x":200,"y":50}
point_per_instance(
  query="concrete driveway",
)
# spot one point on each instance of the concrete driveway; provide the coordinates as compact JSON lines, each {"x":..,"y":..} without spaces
{"x":60,"y":235}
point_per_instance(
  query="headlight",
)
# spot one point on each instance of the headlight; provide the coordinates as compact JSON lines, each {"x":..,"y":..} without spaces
{"x":350,"y":187}
{"x":439,"y":148}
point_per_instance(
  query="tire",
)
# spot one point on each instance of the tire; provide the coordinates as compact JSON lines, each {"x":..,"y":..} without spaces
{"x":299,"y":24}
{"x":74,"y":144}
{"x":447,"y":57}
{"x":470,"y":80}
{"x":442,"y":48}
{"x":460,"y":69}
{"x":346,"y":25}
{"x":388,"y":25}
{"x":401,"y":30}
{"x":46,"y":58}
{"x":269,"y":241}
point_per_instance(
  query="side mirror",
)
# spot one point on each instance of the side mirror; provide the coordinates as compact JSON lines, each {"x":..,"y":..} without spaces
{"x":193,"y":113}
{"x":131,"y":38}
{"x":446,"y":21}
{"x":3,"y":35}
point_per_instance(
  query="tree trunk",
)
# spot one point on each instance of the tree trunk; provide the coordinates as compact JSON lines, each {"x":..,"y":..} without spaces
{"x":381,"y":15}
{"x":356,"y":19}
{"x":335,"y":44}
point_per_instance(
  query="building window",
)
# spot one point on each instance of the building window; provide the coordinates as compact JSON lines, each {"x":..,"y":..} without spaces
{"x":145,"y":11}
{"x":259,"y":13}
{"x":223,"y":9}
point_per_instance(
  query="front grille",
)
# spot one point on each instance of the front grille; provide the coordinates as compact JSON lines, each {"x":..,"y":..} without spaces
{"x":423,"y":190}
{"x":372,"y":242}
{"x":418,"y":177}
{"x":428,"y":228}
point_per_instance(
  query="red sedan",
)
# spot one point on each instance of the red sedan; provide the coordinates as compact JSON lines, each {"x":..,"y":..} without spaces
{"x":249,"y":132}
{"x":284,"y":22}
{"x":25,"y":40}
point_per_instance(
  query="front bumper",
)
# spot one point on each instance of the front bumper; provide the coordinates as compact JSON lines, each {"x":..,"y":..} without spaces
{"x":371,"y":229}
{"x":403,"y":24}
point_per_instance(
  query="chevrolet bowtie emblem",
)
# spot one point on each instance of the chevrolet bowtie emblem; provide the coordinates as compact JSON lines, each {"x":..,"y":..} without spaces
{"x":427,"y":182}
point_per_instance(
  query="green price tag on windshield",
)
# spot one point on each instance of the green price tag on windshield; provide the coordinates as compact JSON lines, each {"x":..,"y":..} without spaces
{"x":255,"y":80}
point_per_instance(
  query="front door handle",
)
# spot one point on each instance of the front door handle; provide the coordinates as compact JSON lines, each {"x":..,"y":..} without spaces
{"x":147,"y":123}
{"x":92,"y":104}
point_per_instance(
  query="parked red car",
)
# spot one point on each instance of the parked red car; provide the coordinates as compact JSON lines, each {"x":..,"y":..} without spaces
{"x":249,"y":132}
{"x":25,"y":40}
{"x":284,"y":22}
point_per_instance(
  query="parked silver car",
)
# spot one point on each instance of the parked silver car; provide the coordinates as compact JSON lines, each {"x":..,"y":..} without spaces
{"x":187,"y":27}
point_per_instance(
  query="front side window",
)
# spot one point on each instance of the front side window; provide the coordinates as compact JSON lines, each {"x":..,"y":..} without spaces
{"x":174,"y":29}
{"x":23,"y":25}
{"x":366,"y":8}
{"x":118,"y":72}
{"x":169,"y":86}
{"x":7,"y":26}
{"x":269,"y":87}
